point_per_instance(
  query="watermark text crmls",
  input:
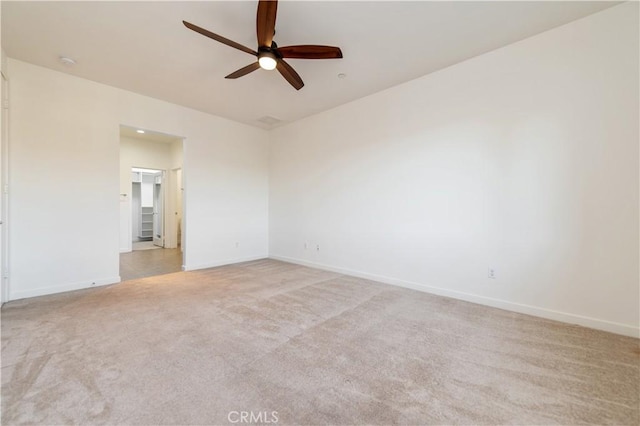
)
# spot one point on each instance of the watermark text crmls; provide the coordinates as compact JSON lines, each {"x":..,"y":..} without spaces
{"x":249,"y":417}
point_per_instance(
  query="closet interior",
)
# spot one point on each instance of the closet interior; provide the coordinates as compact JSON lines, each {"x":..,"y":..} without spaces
{"x":146,"y":204}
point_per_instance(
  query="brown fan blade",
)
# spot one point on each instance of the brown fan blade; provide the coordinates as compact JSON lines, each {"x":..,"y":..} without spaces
{"x":244,"y":71}
{"x":290,"y":74}
{"x":266,"y":22}
{"x":309,"y":51}
{"x":219,"y":38}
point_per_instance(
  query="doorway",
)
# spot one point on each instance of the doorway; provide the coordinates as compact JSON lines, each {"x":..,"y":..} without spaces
{"x":151,"y":209}
{"x":147,"y":212}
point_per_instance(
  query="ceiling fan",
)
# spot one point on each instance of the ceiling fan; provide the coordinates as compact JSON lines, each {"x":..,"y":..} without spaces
{"x":269,"y":55}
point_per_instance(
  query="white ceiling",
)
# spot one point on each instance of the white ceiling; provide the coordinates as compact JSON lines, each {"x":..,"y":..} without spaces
{"x":143,"y":46}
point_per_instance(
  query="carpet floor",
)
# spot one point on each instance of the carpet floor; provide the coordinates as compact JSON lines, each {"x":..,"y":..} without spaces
{"x":302,"y":346}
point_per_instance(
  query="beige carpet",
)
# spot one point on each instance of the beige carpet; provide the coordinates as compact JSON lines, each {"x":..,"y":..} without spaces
{"x":313,"y":346}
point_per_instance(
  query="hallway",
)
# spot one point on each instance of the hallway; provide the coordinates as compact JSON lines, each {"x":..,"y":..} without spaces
{"x":147,"y":263}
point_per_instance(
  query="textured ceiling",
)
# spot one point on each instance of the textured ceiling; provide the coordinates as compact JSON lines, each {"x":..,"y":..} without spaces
{"x":143,"y":46}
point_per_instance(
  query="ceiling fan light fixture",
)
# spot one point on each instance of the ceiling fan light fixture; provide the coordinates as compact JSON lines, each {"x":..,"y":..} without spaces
{"x":267,"y":61}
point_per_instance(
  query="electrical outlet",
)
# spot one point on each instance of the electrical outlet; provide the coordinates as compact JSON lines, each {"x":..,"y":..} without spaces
{"x":237,"y":244}
{"x":306,"y":245}
{"x":491,"y":273}
{"x":317,"y":247}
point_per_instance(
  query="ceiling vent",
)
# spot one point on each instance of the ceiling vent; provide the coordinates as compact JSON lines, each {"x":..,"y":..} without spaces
{"x":269,"y":121}
{"x":67,"y":62}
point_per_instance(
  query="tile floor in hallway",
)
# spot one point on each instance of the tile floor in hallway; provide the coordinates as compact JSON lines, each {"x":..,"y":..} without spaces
{"x":147,"y":263}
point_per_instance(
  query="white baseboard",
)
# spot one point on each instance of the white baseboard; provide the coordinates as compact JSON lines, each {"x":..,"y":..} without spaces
{"x":43,"y":291}
{"x":598,"y":324}
{"x":223,"y":262}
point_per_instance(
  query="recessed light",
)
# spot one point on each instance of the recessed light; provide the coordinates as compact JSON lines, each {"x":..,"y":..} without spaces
{"x":140,"y":131}
{"x":68,"y":62}
{"x":342,"y":75}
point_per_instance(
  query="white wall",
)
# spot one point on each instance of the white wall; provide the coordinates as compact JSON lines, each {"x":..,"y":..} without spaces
{"x":146,"y":190}
{"x":175,"y":153}
{"x":64,"y":141}
{"x":524,"y":159}
{"x":142,"y":153}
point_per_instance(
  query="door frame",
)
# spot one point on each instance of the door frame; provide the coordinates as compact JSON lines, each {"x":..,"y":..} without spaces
{"x":174,"y":208}
{"x":4,"y":190}
{"x":159,"y":209}
{"x":149,"y":171}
